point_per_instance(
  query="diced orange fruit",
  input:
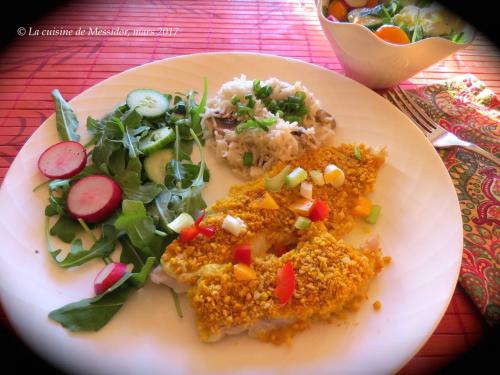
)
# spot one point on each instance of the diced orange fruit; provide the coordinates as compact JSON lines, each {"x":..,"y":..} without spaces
{"x":338,"y":10}
{"x":392,"y":34}
{"x":362,"y":208}
{"x":302,"y":207}
{"x":242,"y":272}
{"x":266,"y":202}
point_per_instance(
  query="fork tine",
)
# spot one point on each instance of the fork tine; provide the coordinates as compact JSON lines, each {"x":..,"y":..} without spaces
{"x":418,"y":108}
{"x":401,"y":104}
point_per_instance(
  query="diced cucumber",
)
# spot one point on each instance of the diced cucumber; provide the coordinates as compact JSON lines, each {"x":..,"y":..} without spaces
{"x":155,"y":165}
{"x":148,"y":103}
{"x":365,"y":17}
{"x":156,"y":140}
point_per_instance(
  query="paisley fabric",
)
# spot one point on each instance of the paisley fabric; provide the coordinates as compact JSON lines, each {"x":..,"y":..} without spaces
{"x":467,"y":108}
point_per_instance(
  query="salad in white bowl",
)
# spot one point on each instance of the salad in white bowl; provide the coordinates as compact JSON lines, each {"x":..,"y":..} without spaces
{"x":381,"y":43}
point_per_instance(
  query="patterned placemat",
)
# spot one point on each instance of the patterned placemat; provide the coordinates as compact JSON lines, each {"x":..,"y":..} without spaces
{"x":41,"y":58}
{"x":464,"y":106}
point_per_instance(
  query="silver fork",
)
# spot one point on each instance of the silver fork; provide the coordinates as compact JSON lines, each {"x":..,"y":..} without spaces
{"x":439,"y":137}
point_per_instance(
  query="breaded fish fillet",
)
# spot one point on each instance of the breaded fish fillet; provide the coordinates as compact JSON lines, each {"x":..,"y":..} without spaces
{"x":267,"y":227}
{"x":330,"y":276}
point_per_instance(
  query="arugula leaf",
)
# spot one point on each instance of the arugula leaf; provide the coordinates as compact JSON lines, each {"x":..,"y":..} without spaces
{"x":96,"y":129}
{"x":58,"y":191}
{"x":186,"y":149}
{"x":77,"y":256}
{"x":66,"y":120}
{"x":137,"y":257}
{"x":197,"y":110}
{"x":91,"y":314}
{"x":65,"y":228}
{"x":117,"y":161}
{"x":187,"y":200}
{"x":183,"y":173}
{"x":117,"y":112}
{"x":131,"y":124}
{"x":101,"y":155}
{"x":135,"y":221}
{"x":131,"y":254}
{"x":160,"y":211}
{"x":130,"y":182}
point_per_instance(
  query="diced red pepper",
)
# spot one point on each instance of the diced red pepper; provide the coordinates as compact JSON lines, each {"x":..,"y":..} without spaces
{"x":285,"y":283}
{"x":319,"y":211}
{"x":243,"y":254}
{"x":207,"y":231}
{"x":199,"y":219}
{"x":188,"y":234}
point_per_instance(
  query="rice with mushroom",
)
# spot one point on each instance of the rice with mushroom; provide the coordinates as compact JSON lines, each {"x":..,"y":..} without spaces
{"x":283,"y":141}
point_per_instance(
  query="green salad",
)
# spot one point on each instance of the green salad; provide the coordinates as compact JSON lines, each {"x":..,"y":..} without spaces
{"x":133,"y":185}
{"x":399,"y":21}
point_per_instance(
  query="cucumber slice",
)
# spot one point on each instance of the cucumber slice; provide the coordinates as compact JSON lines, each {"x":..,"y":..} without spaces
{"x":155,"y":165}
{"x":156,"y":140}
{"x":148,"y":103}
{"x":365,"y":17}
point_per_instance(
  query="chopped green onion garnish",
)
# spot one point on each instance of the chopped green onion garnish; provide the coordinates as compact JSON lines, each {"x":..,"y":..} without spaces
{"x":302,"y":223}
{"x":374,"y":213}
{"x":235,"y":99}
{"x":280,"y":113}
{"x":295,"y":177}
{"x":247,"y":159}
{"x":253,"y":123}
{"x":292,"y":118}
{"x":275,"y":183}
{"x":300,"y":95}
{"x":243,"y":109}
{"x":317,"y":178}
{"x":268,"y":121}
{"x":184,"y":220}
{"x":357,"y":152}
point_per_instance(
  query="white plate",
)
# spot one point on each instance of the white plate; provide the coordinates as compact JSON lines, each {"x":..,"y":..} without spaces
{"x":420,"y":227}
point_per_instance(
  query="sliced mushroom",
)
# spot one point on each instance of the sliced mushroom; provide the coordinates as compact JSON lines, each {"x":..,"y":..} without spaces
{"x":226,"y":122}
{"x":324,"y":118}
{"x":298,"y":133}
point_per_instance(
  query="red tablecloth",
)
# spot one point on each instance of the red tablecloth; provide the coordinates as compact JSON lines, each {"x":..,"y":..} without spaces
{"x":35,"y":64}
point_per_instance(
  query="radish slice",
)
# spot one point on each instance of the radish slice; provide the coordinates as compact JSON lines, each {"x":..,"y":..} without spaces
{"x":62,"y":160}
{"x":356,"y":3}
{"x":108,"y":277}
{"x":94,"y":198}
